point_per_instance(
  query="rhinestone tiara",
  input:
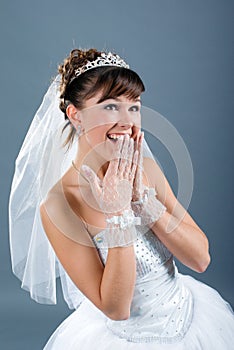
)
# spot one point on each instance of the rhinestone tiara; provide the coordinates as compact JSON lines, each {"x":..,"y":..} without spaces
{"x":106,"y":59}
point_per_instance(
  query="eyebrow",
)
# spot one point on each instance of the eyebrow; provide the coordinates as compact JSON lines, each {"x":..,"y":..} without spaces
{"x":136,"y":100}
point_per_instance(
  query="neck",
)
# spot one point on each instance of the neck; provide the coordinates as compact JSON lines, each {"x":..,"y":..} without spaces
{"x":91,"y":157}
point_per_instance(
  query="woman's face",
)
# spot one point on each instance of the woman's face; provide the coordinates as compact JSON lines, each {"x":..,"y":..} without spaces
{"x":104,"y":122}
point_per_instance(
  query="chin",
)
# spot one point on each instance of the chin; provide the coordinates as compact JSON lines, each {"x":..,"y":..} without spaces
{"x":103,"y":150}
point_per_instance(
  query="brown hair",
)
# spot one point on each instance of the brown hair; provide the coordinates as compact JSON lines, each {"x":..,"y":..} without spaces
{"x":112,"y":81}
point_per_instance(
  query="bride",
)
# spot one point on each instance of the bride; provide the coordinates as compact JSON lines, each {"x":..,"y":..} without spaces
{"x":99,"y":216}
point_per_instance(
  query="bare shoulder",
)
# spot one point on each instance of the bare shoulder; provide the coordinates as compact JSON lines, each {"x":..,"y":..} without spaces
{"x":61,"y":232}
{"x":74,"y":249}
{"x":58,"y":216}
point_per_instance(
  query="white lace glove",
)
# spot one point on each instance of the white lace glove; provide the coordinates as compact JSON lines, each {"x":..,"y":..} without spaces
{"x":114,"y":193}
{"x":148,"y":207}
{"x":144,"y":203}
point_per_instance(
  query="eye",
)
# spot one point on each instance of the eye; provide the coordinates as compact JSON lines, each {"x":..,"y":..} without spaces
{"x":134,"y":109}
{"x":111,"y":107}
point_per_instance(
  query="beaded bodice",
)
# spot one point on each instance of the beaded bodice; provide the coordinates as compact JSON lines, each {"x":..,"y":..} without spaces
{"x":161,"y":308}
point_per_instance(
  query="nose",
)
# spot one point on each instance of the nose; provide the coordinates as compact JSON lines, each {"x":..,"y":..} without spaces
{"x":125,"y":124}
{"x":125,"y":120}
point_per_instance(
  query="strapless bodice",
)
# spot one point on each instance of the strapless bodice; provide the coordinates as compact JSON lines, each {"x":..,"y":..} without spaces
{"x":161,"y":308}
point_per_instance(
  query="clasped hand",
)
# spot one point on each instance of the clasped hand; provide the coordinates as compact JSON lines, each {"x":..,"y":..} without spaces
{"x":122,"y":182}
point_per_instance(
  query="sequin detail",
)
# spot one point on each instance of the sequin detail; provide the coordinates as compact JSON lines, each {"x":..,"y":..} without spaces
{"x":162,"y":307}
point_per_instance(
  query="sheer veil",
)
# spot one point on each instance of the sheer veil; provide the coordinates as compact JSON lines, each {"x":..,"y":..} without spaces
{"x":37,"y":168}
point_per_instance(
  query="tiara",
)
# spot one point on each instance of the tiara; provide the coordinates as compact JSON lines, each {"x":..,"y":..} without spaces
{"x":106,"y":59}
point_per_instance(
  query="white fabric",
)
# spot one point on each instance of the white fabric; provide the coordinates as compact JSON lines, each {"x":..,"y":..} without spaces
{"x":40,"y":163}
{"x":149,"y":208}
{"x":168,"y":311}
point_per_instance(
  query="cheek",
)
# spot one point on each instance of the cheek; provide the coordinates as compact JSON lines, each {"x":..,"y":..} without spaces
{"x":99,"y":143}
{"x":95,"y":118}
{"x":97,"y":134}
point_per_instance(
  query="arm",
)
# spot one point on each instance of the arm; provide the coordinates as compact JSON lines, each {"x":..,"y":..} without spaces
{"x":118,"y":281}
{"x":187,"y":241}
{"x":110,"y":287}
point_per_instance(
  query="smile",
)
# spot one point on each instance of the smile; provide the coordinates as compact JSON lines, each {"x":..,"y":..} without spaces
{"x":116,"y":136}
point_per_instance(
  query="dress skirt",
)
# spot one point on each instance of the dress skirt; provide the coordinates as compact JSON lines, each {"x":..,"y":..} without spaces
{"x":211,"y":327}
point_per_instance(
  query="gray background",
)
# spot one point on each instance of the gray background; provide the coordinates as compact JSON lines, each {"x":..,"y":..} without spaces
{"x":184,"y":52}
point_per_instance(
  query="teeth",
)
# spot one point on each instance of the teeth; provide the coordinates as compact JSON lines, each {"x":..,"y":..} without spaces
{"x":114,"y":136}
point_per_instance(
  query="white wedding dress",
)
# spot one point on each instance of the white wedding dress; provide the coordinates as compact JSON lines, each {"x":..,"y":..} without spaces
{"x":168,"y":311}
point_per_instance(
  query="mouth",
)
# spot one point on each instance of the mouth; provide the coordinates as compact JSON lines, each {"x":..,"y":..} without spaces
{"x":116,"y":136}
